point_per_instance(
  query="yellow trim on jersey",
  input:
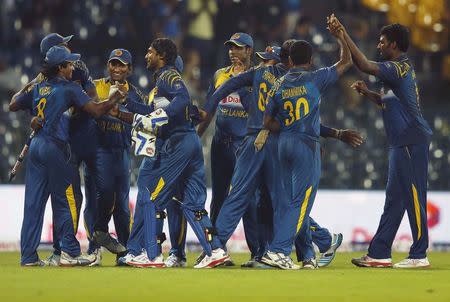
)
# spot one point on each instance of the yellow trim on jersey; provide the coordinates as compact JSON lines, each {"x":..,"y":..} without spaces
{"x":151,"y":95}
{"x":417,"y":211}
{"x":183,"y":230}
{"x":222,"y":75}
{"x":72,"y":206}
{"x":303,"y":209}
{"x":102,"y":86}
{"x":158,"y":189}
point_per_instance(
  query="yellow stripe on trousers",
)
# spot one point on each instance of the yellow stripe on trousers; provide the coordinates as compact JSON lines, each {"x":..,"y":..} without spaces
{"x":417,"y":210}
{"x":303,"y":209}
{"x":158,"y":189}
{"x":73,"y":207}
{"x":183,"y":229}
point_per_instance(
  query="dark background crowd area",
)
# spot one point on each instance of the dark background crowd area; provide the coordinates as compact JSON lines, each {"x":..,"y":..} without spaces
{"x":99,"y":26}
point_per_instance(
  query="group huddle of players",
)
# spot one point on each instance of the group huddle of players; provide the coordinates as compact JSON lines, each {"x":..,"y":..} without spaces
{"x":265,"y":154}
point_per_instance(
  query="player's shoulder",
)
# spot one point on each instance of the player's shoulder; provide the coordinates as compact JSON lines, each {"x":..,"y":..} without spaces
{"x":138,"y":92}
{"x":222,"y":71}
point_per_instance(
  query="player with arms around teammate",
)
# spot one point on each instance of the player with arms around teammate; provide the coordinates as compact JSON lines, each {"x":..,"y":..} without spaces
{"x":82,"y":135}
{"x":48,"y":170}
{"x":409,"y":139}
{"x":178,"y":163}
{"x":293,"y":110}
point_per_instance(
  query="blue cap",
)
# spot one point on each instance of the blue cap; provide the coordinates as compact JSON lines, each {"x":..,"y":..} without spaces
{"x":51,"y":40}
{"x":122,"y":55}
{"x":179,"y":65}
{"x":241,"y":40}
{"x":59,"y":54}
{"x":271,"y":53}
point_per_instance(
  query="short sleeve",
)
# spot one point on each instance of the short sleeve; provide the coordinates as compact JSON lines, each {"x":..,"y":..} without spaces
{"x":25,"y":100}
{"x":78,"y":97}
{"x":389,"y":71}
{"x":325,"y":76}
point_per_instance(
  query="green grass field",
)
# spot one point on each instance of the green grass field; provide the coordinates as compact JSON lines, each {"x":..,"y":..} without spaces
{"x":339,"y":282}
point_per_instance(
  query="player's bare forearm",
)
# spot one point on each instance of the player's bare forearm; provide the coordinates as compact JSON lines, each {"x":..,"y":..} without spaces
{"x":204,"y":125}
{"x":99,"y":109}
{"x":350,"y":137}
{"x":361,"y":88}
{"x":271,"y":123}
{"x":345,"y":61}
{"x":125,"y":116}
{"x":359,"y":58}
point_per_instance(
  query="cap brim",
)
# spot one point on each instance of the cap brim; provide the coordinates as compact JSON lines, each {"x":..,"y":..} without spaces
{"x":267,"y":56}
{"x":73,"y":57}
{"x":118,"y":59}
{"x":67,"y":39}
{"x":235,"y":43}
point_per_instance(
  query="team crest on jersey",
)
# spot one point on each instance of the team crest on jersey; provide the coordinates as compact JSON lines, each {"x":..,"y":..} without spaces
{"x":45,"y":90}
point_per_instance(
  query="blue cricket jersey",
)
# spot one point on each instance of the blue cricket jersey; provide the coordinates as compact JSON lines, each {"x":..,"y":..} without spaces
{"x":261,"y":79}
{"x":112,"y":132}
{"x":403,"y":120}
{"x":231,"y":114}
{"x":51,"y":100}
{"x":295,"y":99}
{"x":170,"y":85}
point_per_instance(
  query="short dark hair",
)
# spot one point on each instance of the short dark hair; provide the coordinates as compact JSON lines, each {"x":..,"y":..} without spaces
{"x":50,"y":71}
{"x":300,"y":52}
{"x":397,"y":33}
{"x":284,"y":53}
{"x":166,"y":48}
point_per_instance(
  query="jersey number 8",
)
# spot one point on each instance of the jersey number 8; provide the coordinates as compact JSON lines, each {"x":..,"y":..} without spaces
{"x":40,"y":107}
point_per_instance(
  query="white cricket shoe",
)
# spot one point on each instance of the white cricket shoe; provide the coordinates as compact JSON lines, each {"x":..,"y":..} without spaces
{"x":175,"y":261}
{"x":279,"y":260}
{"x":123,"y":261}
{"x":218,"y":257}
{"x":326,"y":258}
{"x":52,"y":260}
{"x":143,"y":261}
{"x":98,"y":257}
{"x":413,"y":263}
{"x":310,"y":264}
{"x":81,"y":260}
{"x":366,"y":261}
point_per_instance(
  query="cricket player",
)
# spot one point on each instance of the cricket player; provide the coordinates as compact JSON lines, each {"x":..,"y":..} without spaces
{"x":82,"y":138}
{"x":112,"y":161}
{"x":49,"y":172}
{"x":263,"y":163}
{"x":409,"y":139}
{"x":178,"y":162}
{"x":293,"y":110}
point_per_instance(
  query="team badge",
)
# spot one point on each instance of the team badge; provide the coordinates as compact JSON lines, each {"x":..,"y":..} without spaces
{"x":118,"y":53}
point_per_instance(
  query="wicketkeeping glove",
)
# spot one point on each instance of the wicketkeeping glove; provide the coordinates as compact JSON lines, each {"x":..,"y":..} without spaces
{"x":144,"y":143}
{"x":148,"y":123}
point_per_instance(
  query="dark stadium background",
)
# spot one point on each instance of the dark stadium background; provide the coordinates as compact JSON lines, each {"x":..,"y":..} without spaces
{"x":102,"y":25}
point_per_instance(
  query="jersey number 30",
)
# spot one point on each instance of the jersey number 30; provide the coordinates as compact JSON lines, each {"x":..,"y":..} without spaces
{"x":294,"y":113}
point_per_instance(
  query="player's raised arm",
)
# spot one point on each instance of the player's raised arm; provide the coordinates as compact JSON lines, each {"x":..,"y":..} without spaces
{"x":345,"y":61}
{"x":359,"y":58}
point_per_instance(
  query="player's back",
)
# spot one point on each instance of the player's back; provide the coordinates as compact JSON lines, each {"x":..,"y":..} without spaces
{"x":263,"y":80}
{"x":51,"y":101}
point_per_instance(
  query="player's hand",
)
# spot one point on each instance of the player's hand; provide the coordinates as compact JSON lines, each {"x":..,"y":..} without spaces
{"x":350,"y":137}
{"x":203,"y":114}
{"x":360,"y":87}
{"x":114,"y":112}
{"x":37,"y":123}
{"x":335,"y":26}
{"x":238,"y":66}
